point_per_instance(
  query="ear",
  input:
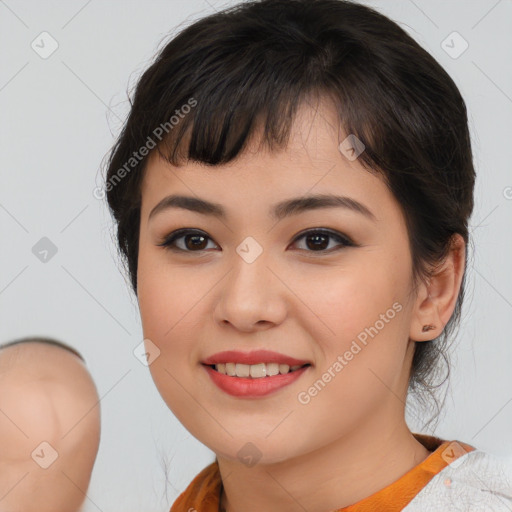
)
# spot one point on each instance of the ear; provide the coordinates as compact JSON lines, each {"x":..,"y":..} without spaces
{"x":436,"y":298}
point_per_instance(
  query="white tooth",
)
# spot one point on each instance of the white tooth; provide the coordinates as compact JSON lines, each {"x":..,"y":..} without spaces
{"x":242,"y":370}
{"x":284,"y":368}
{"x":255,"y":371}
{"x":258,"y":370}
{"x":272,"y":369}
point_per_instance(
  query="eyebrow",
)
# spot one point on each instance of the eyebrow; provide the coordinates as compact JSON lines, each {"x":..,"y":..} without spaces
{"x":279,"y":211}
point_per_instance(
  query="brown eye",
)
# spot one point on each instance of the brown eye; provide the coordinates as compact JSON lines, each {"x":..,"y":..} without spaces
{"x":193,"y":241}
{"x":318,"y":240}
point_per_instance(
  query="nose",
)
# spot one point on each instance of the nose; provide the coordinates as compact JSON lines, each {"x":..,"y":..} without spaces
{"x":251,"y":296}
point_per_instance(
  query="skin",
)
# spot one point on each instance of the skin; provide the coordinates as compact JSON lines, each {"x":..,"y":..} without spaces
{"x":351,"y":439}
{"x":46,"y":395}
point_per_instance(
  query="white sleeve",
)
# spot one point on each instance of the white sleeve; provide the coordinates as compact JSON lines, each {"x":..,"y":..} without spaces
{"x":475,"y":482}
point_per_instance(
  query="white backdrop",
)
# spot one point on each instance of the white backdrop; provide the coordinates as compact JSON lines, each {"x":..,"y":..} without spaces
{"x":62,"y":101}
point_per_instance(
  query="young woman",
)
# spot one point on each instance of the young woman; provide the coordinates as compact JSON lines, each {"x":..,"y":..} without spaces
{"x":292,"y":191}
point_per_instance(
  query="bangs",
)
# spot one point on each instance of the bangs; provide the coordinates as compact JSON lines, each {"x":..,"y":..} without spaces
{"x":254,"y":89}
{"x":218,"y":135}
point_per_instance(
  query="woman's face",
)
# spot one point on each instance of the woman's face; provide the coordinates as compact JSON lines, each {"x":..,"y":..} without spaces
{"x":258,"y":278}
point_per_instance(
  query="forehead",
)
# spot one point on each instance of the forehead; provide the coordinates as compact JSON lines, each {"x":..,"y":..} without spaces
{"x":311,"y":163}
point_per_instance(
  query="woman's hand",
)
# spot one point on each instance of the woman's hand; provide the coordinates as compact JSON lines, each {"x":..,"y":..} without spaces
{"x":49,"y":428}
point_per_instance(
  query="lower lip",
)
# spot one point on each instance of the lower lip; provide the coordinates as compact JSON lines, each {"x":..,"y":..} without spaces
{"x":249,"y":387}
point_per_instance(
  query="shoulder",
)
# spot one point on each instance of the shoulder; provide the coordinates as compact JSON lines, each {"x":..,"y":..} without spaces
{"x":477,"y":481}
{"x":202,"y":493}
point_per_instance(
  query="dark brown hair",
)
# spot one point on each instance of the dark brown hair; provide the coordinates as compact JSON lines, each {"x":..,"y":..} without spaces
{"x":248,"y":69}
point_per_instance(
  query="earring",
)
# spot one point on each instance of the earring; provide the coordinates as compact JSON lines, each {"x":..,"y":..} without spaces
{"x":428,"y":328}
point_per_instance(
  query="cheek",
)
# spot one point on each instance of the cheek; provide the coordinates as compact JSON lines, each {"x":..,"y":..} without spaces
{"x":360,"y":314}
{"x":154,"y":304}
{"x":167,"y":315}
{"x":172,"y":305}
{"x":161,"y":294}
{"x":342,"y":302}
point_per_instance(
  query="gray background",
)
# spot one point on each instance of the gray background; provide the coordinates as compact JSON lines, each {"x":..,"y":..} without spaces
{"x":59,"y":117}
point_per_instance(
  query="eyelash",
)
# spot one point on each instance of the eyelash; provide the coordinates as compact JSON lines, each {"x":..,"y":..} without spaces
{"x":169,"y":241}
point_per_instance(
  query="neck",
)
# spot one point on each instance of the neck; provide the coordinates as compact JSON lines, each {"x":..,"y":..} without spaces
{"x":334,"y":476}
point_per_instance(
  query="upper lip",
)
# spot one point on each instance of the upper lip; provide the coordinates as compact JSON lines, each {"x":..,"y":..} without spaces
{"x":254,"y":357}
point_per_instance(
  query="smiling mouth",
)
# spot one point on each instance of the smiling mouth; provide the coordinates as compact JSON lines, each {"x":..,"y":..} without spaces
{"x":255,"y":371}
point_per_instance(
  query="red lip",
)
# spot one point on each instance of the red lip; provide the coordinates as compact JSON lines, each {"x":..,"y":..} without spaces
{"x":253,"y":388}
{"x":254,"y":357}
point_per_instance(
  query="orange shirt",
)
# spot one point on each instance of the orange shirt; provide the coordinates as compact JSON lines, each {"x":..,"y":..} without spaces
{"x":203,"y":493}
